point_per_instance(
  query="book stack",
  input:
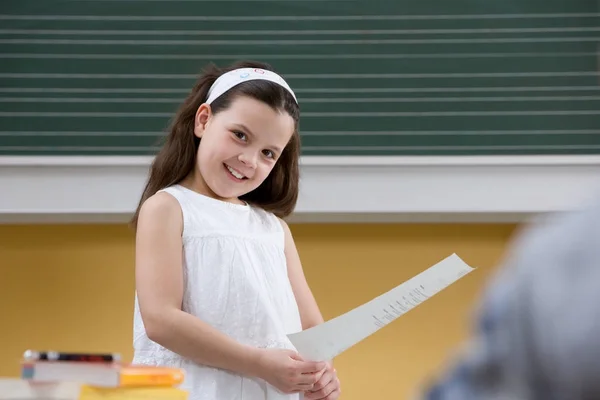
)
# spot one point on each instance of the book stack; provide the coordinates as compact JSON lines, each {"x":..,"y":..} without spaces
{"x":76,"y":376}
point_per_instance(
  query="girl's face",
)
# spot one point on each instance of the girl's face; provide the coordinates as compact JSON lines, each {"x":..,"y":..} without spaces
{"x":239,"y":147}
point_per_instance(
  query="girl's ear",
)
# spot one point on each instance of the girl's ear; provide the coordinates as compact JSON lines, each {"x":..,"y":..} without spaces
{"x":202,"y":115}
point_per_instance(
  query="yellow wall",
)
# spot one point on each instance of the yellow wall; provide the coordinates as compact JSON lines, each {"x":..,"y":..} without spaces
{"x":71,"y":288}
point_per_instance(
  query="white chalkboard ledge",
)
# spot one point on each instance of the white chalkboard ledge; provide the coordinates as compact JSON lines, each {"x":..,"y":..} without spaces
{"x":333,"y":189}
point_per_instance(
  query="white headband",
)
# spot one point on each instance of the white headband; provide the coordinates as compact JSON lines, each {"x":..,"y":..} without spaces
{"x":237,"y":76}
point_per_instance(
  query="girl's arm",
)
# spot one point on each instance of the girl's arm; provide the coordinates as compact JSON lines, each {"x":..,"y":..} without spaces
{"x":307,"y":305}
{"x":159,"y":285}
{"x":328,"y":386}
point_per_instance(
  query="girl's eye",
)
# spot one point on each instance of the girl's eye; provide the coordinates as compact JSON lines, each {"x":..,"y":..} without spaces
{"x":240,"y":135}
{"x":269,"y":153}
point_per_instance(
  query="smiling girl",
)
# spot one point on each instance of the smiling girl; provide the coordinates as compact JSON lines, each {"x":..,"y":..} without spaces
{"x":219,"y":283}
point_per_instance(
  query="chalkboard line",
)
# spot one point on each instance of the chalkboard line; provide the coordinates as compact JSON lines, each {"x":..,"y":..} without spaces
{"x":290,"y":17}
{"x":303,"y":100}
{"x":344,"y":114}
{"x":212,"y":57}
{"x":315,"y":90}
{"x":33,"y":75}
{"x":54,"y":149}
{"x":274,"y":32}
{"x":298,"y":42}
{"x":323,"y":133}
{"x":210,"y":1}
{"x":206,"y":1}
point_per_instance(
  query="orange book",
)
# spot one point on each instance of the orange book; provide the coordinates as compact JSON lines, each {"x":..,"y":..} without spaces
{"x":135,"y":375}
{"x":22,"y":389}
{"x":102,"y":374}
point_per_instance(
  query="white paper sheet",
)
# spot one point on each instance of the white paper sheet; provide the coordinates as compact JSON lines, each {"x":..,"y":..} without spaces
{"x":325,"y":341}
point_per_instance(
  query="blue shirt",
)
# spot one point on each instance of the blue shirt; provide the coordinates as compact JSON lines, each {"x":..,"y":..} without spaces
{"x":537,"y":335}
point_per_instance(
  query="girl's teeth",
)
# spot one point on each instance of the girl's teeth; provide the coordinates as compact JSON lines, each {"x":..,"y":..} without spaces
{"x":235,"y":173}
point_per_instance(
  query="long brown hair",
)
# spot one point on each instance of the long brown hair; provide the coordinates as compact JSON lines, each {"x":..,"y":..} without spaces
{"x":177,"y":157}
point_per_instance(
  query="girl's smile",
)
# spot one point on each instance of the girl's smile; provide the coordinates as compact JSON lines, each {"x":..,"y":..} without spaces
{"x":234,"y":174}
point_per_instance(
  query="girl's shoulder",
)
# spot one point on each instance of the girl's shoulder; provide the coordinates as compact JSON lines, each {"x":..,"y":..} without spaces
{"x":160,"y":206}
{"x":160,"y":214}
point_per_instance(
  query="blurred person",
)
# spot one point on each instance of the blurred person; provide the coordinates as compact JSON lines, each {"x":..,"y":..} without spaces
{"x":538,"y":329}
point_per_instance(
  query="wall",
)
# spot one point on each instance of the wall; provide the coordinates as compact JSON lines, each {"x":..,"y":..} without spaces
{"x":70,"y":287}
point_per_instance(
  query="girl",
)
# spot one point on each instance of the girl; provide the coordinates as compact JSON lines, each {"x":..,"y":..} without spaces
{"x":219,"y":283}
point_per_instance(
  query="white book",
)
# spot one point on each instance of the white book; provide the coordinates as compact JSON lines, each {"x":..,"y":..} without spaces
{"x":20,"y":389}
{"x":95,"y":374}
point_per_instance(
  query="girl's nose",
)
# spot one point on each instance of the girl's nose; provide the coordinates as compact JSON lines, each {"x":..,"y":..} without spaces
{"x":248,"y":158}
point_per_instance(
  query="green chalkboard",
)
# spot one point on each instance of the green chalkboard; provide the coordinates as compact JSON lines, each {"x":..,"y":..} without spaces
{"x":397,"y":77}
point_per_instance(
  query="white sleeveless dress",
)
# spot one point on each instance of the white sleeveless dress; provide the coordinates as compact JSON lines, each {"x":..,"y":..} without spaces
{"x":235,"y":279}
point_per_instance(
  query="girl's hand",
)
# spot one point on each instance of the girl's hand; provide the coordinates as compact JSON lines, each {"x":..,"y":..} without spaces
{"x":287,"y":371}
{"x":327,"y":387}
